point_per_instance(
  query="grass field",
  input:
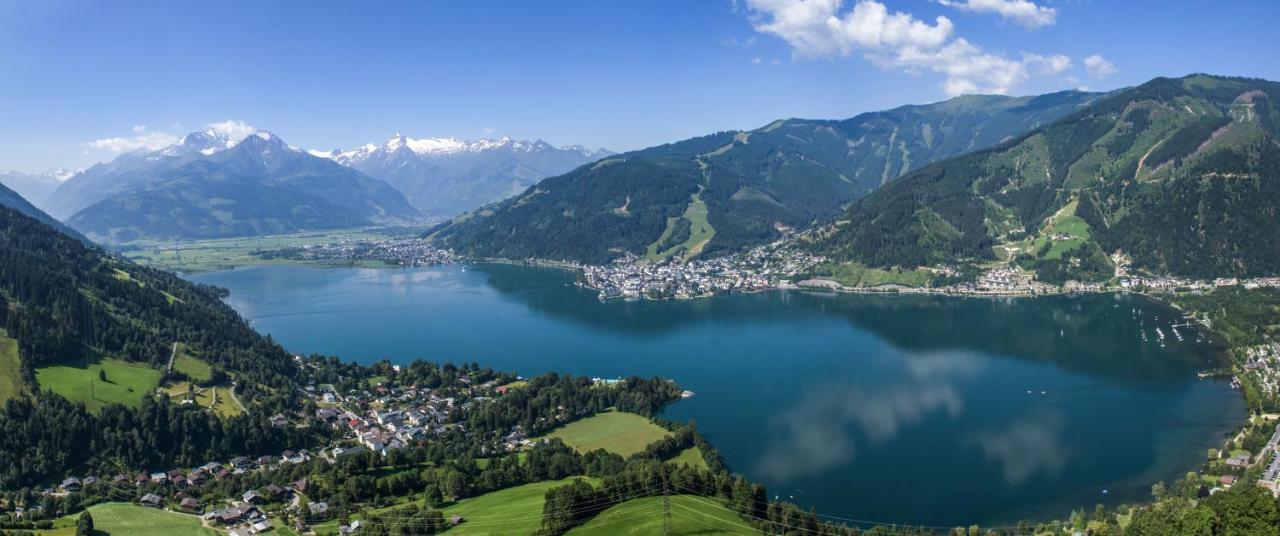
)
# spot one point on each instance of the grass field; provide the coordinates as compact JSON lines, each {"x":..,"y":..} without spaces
{"x":216,"y":398}
{"x":691,"y":456}
{"x":121,"y":519}
{"x":515,"y":510}
{"x":225,"y":253}
{"x":10,"y":368}
{"x":689,"y":515}
{"x":614,"y":431}
{"x":191,"y":365}
{"x":126,"y":382}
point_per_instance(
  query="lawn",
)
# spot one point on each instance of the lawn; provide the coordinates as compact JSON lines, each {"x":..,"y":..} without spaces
{"x":126,"y":382}
{"x":122,"y":519}
{"x":615,"y":431}
{"x":691,"y":456}
{"x":689,"y":515}
{"x":515,"y":510}
{"x":10,"y":368}
{"x":191,"y":365}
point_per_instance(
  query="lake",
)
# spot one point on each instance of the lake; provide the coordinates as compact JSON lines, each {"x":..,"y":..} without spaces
{"x":906,"y":409}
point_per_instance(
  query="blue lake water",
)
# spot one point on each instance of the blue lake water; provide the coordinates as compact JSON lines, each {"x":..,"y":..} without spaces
{"x":908,"y":409}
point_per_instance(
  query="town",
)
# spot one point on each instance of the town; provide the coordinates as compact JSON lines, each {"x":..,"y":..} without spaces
{"x":762,"y":268}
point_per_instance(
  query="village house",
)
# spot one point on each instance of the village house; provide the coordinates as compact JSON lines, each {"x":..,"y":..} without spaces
{"x":152,"y":500}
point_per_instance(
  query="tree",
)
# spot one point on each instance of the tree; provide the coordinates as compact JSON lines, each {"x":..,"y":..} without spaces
{"x":102,"y":375}
{"x":84,"y":525}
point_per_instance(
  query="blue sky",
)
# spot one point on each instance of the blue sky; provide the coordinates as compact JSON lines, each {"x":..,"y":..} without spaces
{"x":606,"y":73}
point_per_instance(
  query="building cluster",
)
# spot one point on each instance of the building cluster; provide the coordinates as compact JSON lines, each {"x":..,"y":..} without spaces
{"x":762,"y":268}
{"x":395,"y":251}
{"x":1271,"y":454}
{"x":1168,"y":283}
{"x":170,"y":489}
{"x":1002,"y":280}
{"x":1263,"y":362}
{"x":387,"y":418}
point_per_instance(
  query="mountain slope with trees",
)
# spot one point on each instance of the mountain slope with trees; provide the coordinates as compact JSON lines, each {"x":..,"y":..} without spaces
{"x":749,"y":185}
{"x":1177,"y":175}
{"x":65,"y":301}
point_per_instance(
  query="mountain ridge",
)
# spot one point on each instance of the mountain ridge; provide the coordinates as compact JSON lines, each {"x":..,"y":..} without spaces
{"x":1170,"y":176}
{"x":730,"y":190}
{"x":210,"y":186}
{"x":443,"y":177}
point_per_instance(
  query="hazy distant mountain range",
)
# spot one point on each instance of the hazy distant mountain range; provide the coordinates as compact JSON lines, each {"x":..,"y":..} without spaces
{"x":443,"y":177}
{"x":216,"y":184}
{"x":211,"y":185}
{"x":36,"y":188}
{"x":734,"y":189}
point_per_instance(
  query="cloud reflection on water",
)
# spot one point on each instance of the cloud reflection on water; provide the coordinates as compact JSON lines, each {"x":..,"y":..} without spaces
{"x":1026,"y":447}
{"x":818,"y":432}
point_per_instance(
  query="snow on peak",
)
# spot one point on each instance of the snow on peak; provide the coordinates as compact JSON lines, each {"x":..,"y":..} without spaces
{"x":436,"y":147}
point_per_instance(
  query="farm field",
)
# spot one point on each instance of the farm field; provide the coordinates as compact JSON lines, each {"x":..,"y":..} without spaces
{"x":226,"y":253}
{"x":615,"y":431}
{"x":124,"y":519}
{"x":689,"y":515}
{"x":126,"y":382}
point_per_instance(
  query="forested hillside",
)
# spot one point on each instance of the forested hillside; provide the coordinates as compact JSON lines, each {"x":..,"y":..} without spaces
{"x":64,"y":301}
{"x":731,"y":190}
{"x":1176,"y":175}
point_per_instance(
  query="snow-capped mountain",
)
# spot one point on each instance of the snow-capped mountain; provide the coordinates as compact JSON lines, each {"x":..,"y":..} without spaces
{"x":35,"y":188}
{"x":223,"y":182}
{"x":129,"y":169}
{"x":445,"y":176}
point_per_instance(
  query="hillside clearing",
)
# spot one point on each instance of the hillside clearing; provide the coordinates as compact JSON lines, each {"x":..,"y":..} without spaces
{"x":187,"y":363}
{"x":126,"y":382}
{"x":689,"y":515}
{"x":615,"y":431}
{"x":10,"y":368}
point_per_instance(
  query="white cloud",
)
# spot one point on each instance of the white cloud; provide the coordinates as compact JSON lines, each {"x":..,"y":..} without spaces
{"x":1099,"y":67}
{"x":232,"y":129}
{"x":150,"y":141}
{"x":1048,"y":65}
{"x":815,"y":28}
{"x":1022,"y":12}
{"x":139,"y":129}
{"x":757,"y":60}
{"x":896,"y":40}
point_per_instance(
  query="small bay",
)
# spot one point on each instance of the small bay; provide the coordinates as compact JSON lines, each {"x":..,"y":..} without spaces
{"x":886,"y":408}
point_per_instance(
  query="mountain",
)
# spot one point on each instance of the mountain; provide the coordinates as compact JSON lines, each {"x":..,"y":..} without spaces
{"x":1177,"y":176}
{"x":443,"y":177}
{"x":35,"y":188}
{"x":210,"y":186}
{"x":731,"y":190}
{"x":67,"y":303}
{"x":11,"y":199}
